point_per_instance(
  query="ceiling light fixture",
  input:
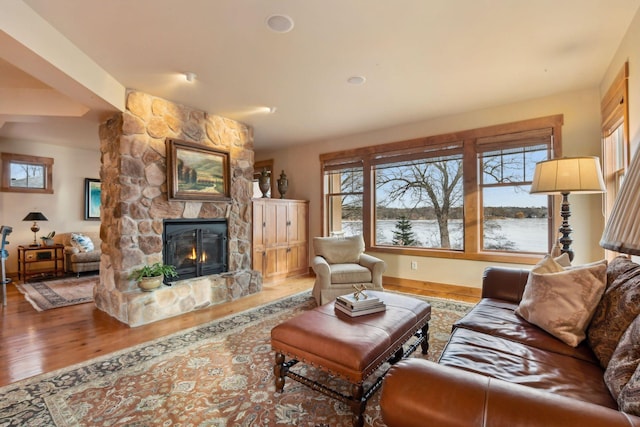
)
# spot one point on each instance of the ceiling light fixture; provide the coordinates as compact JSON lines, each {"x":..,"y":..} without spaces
{"x":356,"y":80}
{"x":280,"y":23}
{"x":190,"y":76}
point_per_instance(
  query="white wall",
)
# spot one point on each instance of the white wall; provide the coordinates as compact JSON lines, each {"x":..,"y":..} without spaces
{"x":64,"y":208}
{"x":581,"y":136}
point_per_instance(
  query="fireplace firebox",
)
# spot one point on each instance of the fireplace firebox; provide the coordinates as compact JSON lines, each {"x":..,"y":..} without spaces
{"x":195,"y":247}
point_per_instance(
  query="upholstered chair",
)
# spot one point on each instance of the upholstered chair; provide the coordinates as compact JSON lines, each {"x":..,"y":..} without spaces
{"x":340,"y":263}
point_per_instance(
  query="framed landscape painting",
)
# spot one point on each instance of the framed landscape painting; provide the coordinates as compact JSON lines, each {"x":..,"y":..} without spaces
{"x":92,"y":193}
{"x":196,"y":172}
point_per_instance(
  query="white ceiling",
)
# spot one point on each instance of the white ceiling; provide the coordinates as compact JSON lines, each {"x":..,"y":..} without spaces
{"x":421,"y":59}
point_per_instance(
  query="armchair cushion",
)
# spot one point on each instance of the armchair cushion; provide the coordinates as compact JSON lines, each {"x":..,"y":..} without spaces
{"x":338,"y":250}
{"x":350,"y":273}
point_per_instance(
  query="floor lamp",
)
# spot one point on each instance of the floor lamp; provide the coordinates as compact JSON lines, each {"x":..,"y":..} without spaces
{"x":563,"y":176}
{"x":622,"y":232}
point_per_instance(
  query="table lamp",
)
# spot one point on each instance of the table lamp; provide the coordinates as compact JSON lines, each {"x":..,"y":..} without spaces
{"x":563,"y":176}
{"x":35,"y":216}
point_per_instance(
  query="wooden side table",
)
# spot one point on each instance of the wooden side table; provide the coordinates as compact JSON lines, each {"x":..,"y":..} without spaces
{"x":40,"y":261}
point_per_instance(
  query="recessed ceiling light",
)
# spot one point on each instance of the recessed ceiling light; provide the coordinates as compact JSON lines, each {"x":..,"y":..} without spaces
{"x":189,"y":76}
{"x":356,"y":80}
{"x":280,"y":23}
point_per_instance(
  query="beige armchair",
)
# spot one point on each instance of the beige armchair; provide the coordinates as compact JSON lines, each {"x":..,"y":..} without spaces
{"x":340,"y":263}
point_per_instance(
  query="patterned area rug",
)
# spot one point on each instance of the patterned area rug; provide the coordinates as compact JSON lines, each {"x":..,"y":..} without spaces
{"x":218,"y":374}
{"x":59,"y":293}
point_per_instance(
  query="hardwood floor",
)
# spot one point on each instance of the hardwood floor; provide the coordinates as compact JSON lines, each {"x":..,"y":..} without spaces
{"x":33,"y":342}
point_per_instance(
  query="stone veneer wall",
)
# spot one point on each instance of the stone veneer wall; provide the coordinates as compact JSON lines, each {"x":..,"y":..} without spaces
{"x":135,"y":202}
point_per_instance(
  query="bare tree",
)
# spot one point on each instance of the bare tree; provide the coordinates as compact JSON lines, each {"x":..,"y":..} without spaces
{"x":435,"y":183}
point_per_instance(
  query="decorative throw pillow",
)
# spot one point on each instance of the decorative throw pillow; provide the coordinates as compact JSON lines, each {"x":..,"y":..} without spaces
{"x":562,"y":301}
{"x":629,"y":397}
{"x":624,"y":360}
{"x":619,"y":305}
{"x":81,"y":242}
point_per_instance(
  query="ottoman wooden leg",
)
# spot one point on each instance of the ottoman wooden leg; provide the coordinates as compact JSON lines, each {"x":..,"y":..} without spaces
{"x":358,"y":405}
{"x":425,"y":334}
{"x":279,"y":370}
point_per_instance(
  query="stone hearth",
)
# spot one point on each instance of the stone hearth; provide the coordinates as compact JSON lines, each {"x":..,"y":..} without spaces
{"x":135,"y":202}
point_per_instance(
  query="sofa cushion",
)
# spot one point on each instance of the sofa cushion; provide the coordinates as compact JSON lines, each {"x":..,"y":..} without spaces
{"x":350,"y":273}
{"x":338,"y":250}
{"x":629,"y":397}
{"x":498,"y":318}
{"x":518,"y":363}
{"x":624,"y":360}
{"x":562,"y":301}
{"x":93,"y":256}
{"x":617,"y":308}
{"x":81,"y":242}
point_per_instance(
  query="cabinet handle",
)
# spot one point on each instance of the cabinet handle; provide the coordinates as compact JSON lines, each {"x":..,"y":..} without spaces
{"x":264,"y":224}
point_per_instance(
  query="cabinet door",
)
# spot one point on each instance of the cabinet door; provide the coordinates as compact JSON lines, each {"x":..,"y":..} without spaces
{"x":298,"y":259}
{"x":275,"y":232}
{"x":259,"y":227}
{"x":276,"y":262}
{"x":297,"y":220}
{"x":259,"y":223}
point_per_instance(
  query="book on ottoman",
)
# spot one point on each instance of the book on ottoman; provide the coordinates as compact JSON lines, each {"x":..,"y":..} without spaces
{"x":362,"y":301}
{"x":378,"y":307}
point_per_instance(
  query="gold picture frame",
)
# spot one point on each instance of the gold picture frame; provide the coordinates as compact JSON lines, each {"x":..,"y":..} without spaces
{"x":196,"y":172}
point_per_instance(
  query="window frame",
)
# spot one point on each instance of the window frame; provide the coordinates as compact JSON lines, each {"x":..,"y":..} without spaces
{"x":471,"y":199}
{"x":45,"y":162}
{"x":614,"y":109}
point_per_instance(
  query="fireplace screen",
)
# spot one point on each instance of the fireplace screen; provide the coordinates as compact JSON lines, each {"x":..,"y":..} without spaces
{"x":195,"y":247}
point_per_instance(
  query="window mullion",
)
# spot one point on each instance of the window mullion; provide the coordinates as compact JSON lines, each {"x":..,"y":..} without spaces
{"x":471,"y":205}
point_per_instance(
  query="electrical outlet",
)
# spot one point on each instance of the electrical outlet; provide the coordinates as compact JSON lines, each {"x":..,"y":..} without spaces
{"x":414,"y":265}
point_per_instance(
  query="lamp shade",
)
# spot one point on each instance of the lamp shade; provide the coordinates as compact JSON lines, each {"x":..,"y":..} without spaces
{"x":35,"y":216}
{"x":622,"y":232}
{"x":568,"y":175}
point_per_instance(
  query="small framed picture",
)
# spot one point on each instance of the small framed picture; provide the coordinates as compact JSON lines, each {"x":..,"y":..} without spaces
{"x":92,"y":202}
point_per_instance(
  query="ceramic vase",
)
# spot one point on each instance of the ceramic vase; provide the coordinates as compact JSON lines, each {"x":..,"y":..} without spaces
{"x":283,"y":185}
{"x":264,"y":182}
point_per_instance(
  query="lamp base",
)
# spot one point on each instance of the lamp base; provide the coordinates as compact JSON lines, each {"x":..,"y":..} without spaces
{"x":565,"y":229}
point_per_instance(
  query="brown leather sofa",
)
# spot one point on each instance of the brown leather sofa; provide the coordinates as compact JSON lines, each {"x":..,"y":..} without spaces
{"x":499,"y":370}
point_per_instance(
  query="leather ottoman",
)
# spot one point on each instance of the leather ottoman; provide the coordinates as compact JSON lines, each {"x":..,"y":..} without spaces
{"x":351,"y":348}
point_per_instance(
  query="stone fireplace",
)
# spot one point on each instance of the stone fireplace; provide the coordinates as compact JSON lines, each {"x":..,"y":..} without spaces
{"x":135,"y":208}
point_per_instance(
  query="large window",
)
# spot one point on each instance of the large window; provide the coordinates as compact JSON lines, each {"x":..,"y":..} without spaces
{"x":419,"y":198}
{"x":463,"y":195}
{"x":513,"y":219}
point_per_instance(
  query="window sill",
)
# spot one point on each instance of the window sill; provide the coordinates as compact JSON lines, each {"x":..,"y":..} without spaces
{"x":511,"y":258}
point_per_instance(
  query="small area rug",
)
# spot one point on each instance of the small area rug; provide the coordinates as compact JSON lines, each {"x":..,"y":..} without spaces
{"x":218,"y":374}
{"x":50,"y":294}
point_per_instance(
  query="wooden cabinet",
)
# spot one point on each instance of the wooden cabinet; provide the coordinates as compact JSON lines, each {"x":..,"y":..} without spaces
{"x":280,"y":238}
